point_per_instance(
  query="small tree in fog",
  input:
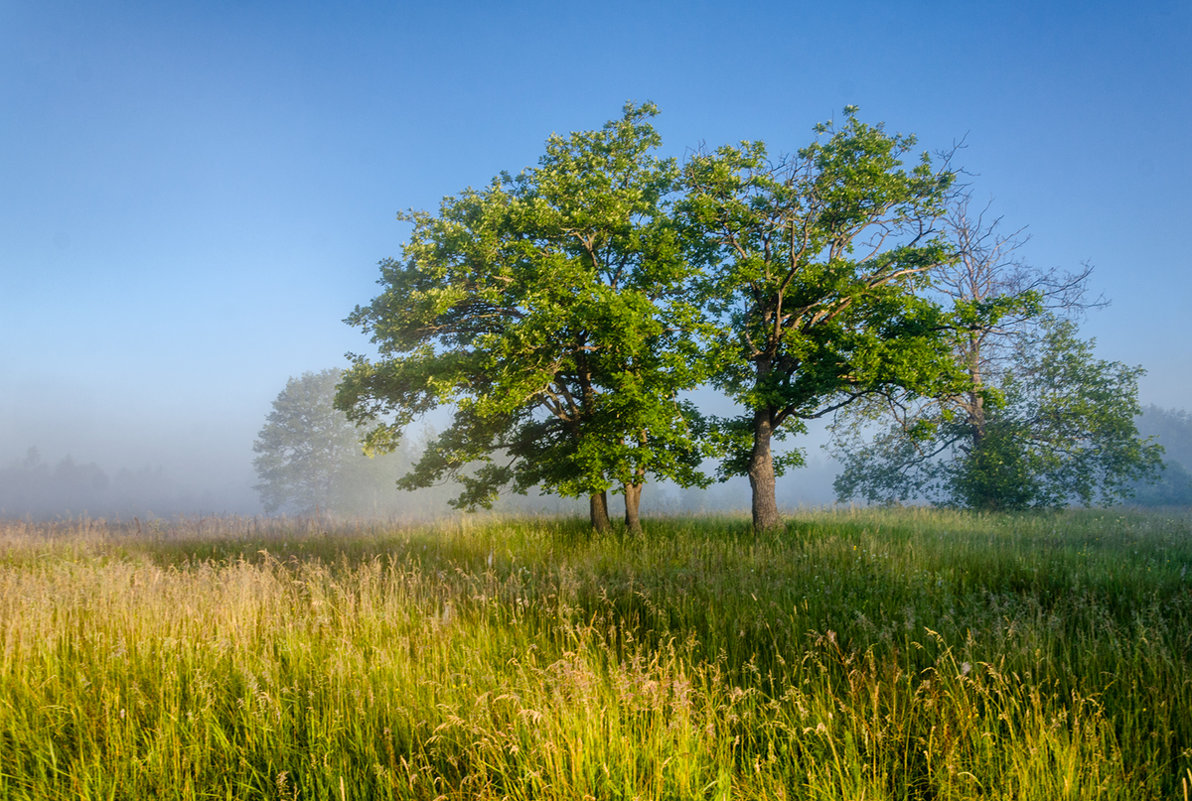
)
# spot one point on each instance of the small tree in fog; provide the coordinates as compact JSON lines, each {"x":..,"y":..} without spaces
{"x":309,"y":457}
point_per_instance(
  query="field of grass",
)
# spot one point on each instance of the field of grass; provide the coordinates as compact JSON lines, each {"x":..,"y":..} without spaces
{"x":858,"y":655}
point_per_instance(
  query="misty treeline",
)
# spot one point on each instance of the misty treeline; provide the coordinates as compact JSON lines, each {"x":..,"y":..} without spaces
{"x":39,"y":488}
{"x":1171,"y":428}
{"x":569,"y":316}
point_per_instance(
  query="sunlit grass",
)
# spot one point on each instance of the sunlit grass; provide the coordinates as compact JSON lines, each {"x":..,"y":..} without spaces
{"x":857,"y":655}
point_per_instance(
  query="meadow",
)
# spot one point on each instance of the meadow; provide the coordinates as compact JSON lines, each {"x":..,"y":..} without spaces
{"x":857,"y":654}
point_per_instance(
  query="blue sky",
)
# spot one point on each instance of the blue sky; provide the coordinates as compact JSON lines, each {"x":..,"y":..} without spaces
{"x":193,"y":195}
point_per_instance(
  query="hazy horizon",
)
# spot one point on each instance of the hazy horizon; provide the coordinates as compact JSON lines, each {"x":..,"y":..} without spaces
{"x":199,"y":193}
{"x":183,"y":490}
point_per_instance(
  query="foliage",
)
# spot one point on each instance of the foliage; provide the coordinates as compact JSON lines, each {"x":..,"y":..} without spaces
{"x":996,"y":473}
{"x":548,"y":310}
{"x":1062,"y":431}
{"x":872,"y":654}
{"x":814,"y":264}
{"x":1171,"y":428}
{"x":1036,"y":421}
{"x":1173,"y":487}
{"x":309,"y":457}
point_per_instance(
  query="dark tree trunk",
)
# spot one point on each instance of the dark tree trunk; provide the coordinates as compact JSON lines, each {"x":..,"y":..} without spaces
{"x":761,"y":474}
{"x":633,"y":497}
{"x":598,"y":511}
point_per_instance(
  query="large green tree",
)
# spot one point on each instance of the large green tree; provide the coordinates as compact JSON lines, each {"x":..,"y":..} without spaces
{"x":813,"y":265}
{"x":1036,"y":420}
{"x":548,"y":310}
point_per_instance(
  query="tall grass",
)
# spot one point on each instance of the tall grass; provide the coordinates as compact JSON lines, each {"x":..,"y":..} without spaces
{"x":857,"y":655}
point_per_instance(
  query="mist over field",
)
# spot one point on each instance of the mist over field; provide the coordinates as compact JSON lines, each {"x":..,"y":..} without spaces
{"x":208,"y":476}
{"x":47,"y":485}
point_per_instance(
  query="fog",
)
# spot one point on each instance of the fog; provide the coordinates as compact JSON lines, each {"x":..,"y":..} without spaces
{"x":44,"y":485}
{"x":72,"y":456}
{"x":59,"y":464}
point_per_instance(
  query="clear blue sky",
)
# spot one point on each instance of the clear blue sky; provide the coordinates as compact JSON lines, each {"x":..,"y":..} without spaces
{"x":194,"y":194}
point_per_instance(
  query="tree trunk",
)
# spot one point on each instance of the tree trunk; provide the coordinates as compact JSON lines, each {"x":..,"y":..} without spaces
{"x":976,"y":404}
{"x":761,"y":474}
{"x":598,"y":511}
{"x":633,"y":497}
{"x":976,"y":421}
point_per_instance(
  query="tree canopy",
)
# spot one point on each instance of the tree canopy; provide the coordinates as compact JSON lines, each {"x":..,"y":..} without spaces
{"x":812,"y":269}
{"x":549,"y":311}
{"x":565,"y":313}
{"x":1037,"y":421}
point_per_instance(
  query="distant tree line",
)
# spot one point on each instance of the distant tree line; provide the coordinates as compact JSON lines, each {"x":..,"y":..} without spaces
{"x":39,"y":489}
{"x":1172,"y":428}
